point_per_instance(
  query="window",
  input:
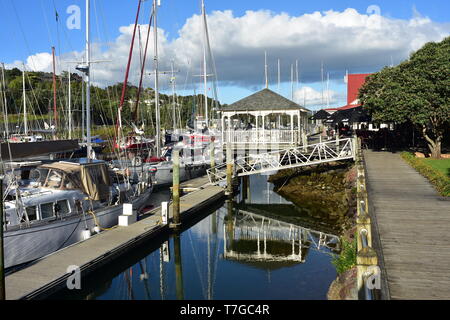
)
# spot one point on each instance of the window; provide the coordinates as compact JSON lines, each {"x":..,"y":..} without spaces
{"x":32,"y":213}
{"x":47,"y":211}
{"x":68,"y":184}
{"x":54,"y":179}
{"x":62,"y":207}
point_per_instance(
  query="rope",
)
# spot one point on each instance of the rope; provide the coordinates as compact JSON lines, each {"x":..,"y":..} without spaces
{"x":96,"y":222}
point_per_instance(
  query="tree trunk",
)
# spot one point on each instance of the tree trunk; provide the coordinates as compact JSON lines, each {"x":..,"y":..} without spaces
{"x":434,"y":145}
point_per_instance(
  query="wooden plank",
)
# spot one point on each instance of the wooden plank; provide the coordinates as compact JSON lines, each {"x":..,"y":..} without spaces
{"x":413,"y":222}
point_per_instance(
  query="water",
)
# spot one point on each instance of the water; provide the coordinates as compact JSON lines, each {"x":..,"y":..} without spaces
{"x":220,"y":258}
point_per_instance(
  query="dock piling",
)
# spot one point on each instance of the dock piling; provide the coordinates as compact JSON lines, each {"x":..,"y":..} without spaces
{"x":213,"y":160}
{"x":176,"y":188}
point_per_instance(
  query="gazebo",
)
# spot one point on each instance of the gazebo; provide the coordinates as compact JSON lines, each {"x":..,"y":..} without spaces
{"x":264,"y":120}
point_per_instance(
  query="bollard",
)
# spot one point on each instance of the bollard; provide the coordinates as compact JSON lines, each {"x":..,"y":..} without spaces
{"x":2,"y":257}
{"x":176,"y":188}
{"x":213,"y":162}
{"x":164,"y":213}
{"x":230,"y":161}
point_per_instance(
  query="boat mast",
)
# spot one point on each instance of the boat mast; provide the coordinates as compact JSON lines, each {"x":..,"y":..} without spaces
{"x":158,"y":120}
{"x":204,"y":64}
{"x":25,"y":122}
{"x":173,"y":96}
{"x":5,"y":103}
{"x":279,"y":76}
{"x":265,"y":70}
{"x":70,"y":107}
{"x":88,"y":83}
{"x":55,"y":114}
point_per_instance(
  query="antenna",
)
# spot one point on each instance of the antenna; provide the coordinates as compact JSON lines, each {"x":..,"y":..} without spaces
{"x":292,"y":82}
{"x":328,"y":89}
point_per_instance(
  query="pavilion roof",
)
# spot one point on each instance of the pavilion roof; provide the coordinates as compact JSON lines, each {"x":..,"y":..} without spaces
{"x":264,"y":100}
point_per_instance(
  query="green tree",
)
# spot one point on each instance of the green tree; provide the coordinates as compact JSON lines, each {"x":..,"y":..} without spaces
{"x":417,"y":90}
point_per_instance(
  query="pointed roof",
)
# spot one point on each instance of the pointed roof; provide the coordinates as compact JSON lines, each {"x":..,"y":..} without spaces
{"x":265,"y":99}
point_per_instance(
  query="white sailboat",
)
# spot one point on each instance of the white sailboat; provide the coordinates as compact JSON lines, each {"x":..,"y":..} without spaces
{"x":51,"y":206}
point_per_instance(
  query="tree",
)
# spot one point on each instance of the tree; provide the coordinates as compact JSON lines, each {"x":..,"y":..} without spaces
{"x":417,"y":90}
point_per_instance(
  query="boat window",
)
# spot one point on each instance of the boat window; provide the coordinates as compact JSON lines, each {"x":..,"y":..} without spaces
{"x":54,"y":179}
{"x":47,"y":210}
{"x":62,"y":207}
{"x":39,"y":175}
{"x":68,"y":183}
{"x":32,"y":213}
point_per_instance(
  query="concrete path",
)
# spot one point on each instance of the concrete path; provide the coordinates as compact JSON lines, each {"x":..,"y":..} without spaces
{"x":413,"y":224}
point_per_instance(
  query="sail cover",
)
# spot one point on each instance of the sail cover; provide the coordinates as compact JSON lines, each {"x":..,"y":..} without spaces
{"x":31,"y":149}
{"x":93,"y":178}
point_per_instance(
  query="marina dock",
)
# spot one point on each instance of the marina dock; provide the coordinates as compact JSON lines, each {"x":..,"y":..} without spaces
{"x":411,"y":222}
{"x":49,"y":274}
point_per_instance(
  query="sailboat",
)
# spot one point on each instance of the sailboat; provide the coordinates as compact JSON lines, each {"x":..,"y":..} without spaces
{"x":193,"y":143}
{"x":53,"y":205}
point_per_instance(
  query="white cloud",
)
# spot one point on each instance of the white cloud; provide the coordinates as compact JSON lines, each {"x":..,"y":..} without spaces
{"x":315,"y":98}
{"x":345,"y":40}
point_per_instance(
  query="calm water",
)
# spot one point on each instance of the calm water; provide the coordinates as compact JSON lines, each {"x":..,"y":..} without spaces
{"x":243,"y":250}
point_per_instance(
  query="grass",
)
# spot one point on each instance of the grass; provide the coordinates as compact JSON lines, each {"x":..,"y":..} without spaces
{"x":442,"y":165}
{"x":437,"y":171}
{"x":347,"y":259}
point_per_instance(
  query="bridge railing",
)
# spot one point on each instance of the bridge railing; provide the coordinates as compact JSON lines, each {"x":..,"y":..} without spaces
{"x":288,"y":158}
{"x":368,"y":272}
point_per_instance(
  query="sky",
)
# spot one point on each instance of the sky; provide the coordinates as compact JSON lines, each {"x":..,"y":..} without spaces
{"x":348,"y":35}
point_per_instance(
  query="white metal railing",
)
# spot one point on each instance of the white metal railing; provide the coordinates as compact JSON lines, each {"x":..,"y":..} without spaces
{"x":262,"y":136}
{"x":288,"y":158}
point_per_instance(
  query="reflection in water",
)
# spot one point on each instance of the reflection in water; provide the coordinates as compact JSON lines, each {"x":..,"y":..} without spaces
{"x":237,"y":252}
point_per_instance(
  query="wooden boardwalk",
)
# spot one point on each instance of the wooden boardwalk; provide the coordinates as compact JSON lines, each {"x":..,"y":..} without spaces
{"x":411,"y":224}
{"x":49,"y":274}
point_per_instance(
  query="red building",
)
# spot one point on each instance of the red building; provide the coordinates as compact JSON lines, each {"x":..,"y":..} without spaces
{"x":354,"y":83}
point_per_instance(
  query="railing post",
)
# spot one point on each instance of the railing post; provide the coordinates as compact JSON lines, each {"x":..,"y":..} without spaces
{"x":176,"y":188}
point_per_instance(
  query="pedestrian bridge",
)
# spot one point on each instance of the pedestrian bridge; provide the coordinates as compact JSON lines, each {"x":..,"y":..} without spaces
{"x":306,"y":155}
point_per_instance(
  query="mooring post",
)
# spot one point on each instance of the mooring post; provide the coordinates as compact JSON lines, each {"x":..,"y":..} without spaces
{"x":355,"y":148}
{"x":176,"y":188}
{"x":337,"y":141}
{"x":178,"y":267}
{"x":213,"y":161}
{"x":230,"y":161}
{"x":304,"y":141}
{"x":2,"y":257}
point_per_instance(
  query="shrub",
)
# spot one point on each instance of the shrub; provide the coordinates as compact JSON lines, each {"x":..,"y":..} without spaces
{"x":347,"y":259}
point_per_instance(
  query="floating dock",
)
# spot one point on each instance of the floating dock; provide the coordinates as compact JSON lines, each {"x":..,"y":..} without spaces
{"x":49,"y":274}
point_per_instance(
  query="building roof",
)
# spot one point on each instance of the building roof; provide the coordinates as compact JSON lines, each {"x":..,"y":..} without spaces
{"x":354,"y":83}
{"x":265,"y":99}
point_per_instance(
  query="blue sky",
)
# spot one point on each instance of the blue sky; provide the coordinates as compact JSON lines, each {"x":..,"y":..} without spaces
{"x":29,"y":27}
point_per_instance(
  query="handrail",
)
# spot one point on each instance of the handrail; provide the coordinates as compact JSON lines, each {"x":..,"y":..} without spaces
{"x":367,"y":261}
